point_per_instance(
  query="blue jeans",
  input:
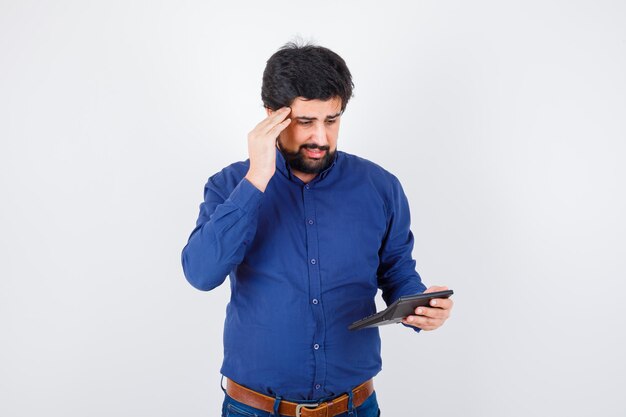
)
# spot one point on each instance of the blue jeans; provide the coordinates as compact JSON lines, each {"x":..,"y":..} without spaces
{"x":232,"y":408}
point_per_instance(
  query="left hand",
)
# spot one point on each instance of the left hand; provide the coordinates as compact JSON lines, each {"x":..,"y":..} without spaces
{"x":431,"y":318}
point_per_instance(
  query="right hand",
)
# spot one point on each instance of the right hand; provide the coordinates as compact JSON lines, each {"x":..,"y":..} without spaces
{"x":262,"y":147}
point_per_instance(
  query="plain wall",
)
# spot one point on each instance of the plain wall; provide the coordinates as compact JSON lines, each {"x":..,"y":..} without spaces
{"x":504,"y":120}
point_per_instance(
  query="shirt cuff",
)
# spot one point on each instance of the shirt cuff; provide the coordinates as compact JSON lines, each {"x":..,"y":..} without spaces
{"x":417,"y":329}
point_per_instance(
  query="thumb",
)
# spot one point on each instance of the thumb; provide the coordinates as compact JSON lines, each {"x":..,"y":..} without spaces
{"x":436,"y":288}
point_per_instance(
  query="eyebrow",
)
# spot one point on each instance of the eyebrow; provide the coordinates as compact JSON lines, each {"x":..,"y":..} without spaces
{"x":333,"y":116}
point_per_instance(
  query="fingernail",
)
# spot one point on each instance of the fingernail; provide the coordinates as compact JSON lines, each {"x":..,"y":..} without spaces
{"x":419,"y":311}
{"x":433,"y":302}
{"x":411,"y":319}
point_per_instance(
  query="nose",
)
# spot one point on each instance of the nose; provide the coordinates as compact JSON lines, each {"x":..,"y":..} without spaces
{"x":319,"y":135}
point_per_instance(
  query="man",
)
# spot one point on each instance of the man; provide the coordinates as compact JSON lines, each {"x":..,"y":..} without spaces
{"x":307,"y":235}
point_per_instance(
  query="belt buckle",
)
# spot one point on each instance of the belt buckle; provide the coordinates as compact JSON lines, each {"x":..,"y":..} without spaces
{"x":299,"y":408}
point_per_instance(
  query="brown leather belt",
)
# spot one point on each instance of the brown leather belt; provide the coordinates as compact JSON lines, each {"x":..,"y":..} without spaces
{"x":326,"y":409}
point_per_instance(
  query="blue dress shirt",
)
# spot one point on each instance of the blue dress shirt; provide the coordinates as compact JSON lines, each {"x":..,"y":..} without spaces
{"x":305,"y":261}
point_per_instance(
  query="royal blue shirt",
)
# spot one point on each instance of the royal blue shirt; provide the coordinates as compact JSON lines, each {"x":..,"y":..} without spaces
{"x":305,"y":261}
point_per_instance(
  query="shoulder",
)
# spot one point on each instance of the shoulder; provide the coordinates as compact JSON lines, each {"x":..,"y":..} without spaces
{"x":234,"y":170}
{"x":367,"y":175}
{"x":224,"y":181}
{"x":371,"y":171}
{"x":377,"y":179}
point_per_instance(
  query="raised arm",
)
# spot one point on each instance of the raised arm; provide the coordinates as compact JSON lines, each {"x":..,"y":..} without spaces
{"x":225,"y":225}
{"x":228,"y":215}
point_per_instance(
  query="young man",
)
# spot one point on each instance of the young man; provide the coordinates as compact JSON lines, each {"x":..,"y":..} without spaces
{"x":307,"y":235}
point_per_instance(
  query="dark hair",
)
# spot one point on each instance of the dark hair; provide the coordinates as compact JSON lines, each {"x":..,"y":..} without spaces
{"x":308,"y":71}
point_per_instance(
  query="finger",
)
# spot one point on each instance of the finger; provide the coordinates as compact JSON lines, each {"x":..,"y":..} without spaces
{"x":444,"y":303}
{"x":279,"y":127}
{"x":424,"y":323}
{"x":273,"y":119}
{"x":438,"y":313}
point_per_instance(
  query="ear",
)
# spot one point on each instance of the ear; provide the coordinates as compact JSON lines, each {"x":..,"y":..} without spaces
{"x":269,"y":111}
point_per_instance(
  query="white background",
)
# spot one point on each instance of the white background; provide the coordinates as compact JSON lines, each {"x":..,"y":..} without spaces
{"x":504,"y":120}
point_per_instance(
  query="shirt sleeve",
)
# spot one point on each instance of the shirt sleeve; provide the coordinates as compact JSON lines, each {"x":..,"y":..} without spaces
{"x":396,"y":272}
{"x":226,"y":224}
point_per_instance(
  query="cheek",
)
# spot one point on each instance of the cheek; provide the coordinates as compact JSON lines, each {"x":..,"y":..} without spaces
{"x":333,"y":133}
{"x":299,"y":134}
{"x":290,"y":137}
{"x":287,"y":134}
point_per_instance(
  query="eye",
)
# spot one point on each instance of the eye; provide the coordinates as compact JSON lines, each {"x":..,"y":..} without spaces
{"x":304,"y":122}
{"x":332,"y":121}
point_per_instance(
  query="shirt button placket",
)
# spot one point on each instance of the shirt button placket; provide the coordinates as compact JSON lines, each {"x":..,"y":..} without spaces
{"x":311,"y":226}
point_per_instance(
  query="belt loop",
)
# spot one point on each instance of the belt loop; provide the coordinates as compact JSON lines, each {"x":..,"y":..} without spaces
{"x":351,"y":409}
{"x":222,"y":384}
{"x":276,"y":404}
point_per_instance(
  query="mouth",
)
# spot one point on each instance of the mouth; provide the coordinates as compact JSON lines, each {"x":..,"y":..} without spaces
{"x":314,"y":153}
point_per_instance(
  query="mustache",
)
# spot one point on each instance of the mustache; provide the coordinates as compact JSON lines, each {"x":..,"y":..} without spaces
{"x":314,"y":146}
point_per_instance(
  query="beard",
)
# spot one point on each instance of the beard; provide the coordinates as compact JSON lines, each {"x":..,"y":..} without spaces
{"x":300,"y":162}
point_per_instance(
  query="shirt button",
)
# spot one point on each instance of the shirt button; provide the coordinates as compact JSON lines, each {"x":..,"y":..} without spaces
{"x":307,"y":186}
{"x":311,"y":221}
{"x":315,"y":301}
{"x":318,"y":386}
{"x":316,"y":346}
{"x":313,"y":261}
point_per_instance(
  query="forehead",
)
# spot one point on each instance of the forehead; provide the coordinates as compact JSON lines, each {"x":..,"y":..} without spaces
{"x":315,"y":108}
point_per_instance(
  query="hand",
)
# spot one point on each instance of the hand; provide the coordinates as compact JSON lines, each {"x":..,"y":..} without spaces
{"x":262,"y":147}
{"x":431,"y":318}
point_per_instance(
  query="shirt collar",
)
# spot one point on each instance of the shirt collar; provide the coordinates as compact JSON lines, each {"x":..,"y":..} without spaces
{"x":281,"y":164}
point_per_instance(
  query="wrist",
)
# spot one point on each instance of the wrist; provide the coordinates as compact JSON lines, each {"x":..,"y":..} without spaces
{"x":260,"y":181}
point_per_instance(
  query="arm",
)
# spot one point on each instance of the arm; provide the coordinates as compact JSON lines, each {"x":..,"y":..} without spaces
{"x":224,"y":228}
{"x":396,"y":273}
{"x":228,"y":216}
